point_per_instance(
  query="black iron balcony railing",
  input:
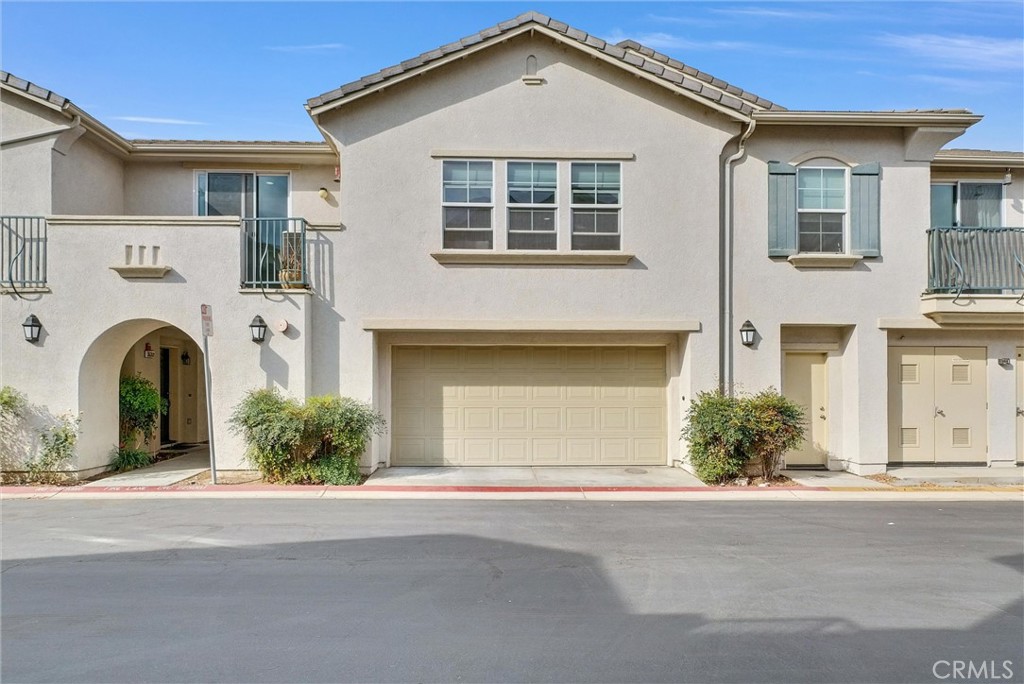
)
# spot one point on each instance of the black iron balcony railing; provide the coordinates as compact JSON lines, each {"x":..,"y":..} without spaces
{"x":976,"y":260}
{"x":274,"y":253}
{"x":22,"y":251}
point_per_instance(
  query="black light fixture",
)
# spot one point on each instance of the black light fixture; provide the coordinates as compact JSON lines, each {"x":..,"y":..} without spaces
{"x":32,"y":328}
{"x":747,"y":333}
{"x":186,"y":360}
{"x":258,"y":328}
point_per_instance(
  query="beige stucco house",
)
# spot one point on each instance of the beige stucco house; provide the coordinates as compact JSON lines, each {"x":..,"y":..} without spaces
{"x":528,"y":246}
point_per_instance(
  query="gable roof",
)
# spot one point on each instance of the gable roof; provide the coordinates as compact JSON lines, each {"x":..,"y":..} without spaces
{"x":629,"y":54}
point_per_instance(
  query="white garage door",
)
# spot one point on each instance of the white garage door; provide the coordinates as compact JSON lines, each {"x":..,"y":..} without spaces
{"x":492,"y":406}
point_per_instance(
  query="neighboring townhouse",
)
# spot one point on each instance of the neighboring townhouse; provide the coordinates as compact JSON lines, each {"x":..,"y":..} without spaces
{"x":529,"y":246}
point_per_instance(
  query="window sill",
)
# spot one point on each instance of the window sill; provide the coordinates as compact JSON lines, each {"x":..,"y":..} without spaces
{"x":533,"y":258}
{"x":825,"y":260}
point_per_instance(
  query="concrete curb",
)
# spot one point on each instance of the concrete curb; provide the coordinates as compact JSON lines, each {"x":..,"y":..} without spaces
{"x":456,"y":492}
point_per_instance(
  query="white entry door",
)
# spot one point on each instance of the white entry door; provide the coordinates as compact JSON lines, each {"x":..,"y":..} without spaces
{"x":805,"y":382}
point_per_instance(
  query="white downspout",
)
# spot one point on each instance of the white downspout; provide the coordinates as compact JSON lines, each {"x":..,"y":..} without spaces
{"x":726,"y":343}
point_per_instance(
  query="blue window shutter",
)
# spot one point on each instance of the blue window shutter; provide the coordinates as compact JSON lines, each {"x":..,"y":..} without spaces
{"x":865,"y":217}
{"x":781,"y":209}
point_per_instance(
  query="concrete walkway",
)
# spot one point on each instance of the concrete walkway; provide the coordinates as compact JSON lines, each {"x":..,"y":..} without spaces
{"x":958,"y":475}
{"x":832,"y":478}
{"x":163,"y":474}
{"x":646,"y":476}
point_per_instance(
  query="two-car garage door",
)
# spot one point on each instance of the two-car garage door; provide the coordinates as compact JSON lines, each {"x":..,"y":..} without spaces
{"x":518,"y":405}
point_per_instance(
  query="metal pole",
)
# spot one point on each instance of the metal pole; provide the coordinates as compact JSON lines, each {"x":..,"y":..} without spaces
{"x":209,"y":407}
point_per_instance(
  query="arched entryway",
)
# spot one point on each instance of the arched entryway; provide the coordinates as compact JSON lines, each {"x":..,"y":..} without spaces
{"x":163,"y":354}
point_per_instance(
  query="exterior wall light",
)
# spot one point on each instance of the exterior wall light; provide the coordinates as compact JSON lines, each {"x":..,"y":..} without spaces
{"x":186,"y":360}
{"x":32,"y":328}
{"x":258,"y":328}
{"x":324,"y":194}
{"x":747,"y":333}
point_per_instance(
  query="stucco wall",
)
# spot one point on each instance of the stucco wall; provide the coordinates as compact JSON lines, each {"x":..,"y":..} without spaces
{"x":391,"y":189}
{"x":88,"y":330}
{"x":168,"y":189}
{"x":88,"y":179}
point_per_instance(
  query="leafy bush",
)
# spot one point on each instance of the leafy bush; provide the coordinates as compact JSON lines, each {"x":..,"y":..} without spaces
{"x":125,"y":459}
{"x":12,"y":402}
{"x":316,"y":442}
{"x":56,"y":451}
{"x":139,"y":409}
{"x":725,"y":433}
{"x":715,"y":437}
{"x":773,"y":425}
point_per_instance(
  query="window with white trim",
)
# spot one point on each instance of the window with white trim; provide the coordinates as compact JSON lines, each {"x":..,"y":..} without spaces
{"x":969,"y":204}
{"x":467,"y":204}
{"x":821,"y":209}
{"x":596,"y":205}
{"x":532,"y":205}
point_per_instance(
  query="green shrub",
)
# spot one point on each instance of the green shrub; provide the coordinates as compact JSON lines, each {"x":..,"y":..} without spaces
{"x":12,"y":403}
{"x":126,"y":459}
{"x":314,"y":443}
{"x":725,"y":433}
{"x":57,"y":449}
{"x":773,"y":425}
{"x":139,"y":408}
{"x":715,"y":437}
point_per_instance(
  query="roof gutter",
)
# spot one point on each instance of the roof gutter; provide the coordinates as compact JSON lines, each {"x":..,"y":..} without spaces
{"x":725,"y":355}
{"x":809,"y":118}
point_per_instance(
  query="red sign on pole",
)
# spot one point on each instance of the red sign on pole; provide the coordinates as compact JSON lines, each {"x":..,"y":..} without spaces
{"x":207,"y":315}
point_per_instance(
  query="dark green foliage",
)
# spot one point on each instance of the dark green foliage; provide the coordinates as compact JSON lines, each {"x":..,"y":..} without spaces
{"x":313,"y":443}
{"x":129,"y":459}
{"x":139,"y":409}
{"x":715,"y":437}
{"x":725,"y":433}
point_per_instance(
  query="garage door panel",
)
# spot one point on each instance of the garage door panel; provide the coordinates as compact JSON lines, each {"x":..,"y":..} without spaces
{"x":528,"y":405}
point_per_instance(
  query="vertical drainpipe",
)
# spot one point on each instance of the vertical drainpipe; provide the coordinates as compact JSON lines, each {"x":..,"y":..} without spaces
{"x":725,"y":355}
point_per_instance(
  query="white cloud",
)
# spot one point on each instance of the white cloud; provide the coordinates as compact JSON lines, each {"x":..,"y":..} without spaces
{"x":773,"y":13}
{"x":979,"y":53}
{"x":682,"y":21}
{"x":964,"y":85}
{"x":315,"y":47}
{"x":159,"y":120}
{"x":668,"y":41}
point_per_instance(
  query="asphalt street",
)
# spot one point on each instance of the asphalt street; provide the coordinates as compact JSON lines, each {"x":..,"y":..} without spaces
{"x":520,"y":591}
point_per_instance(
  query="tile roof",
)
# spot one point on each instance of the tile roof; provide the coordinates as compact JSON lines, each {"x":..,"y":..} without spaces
{"x":32,"y":89}
{"x":964,"y":152}
{"x":673,"y":73}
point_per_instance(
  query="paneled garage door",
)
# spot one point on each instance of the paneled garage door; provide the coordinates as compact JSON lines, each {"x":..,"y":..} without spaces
{"x":528,"y":406}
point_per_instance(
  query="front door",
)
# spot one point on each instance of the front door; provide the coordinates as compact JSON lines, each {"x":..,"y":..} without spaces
{"x":804,"y":381}
{"x":165,"y":394}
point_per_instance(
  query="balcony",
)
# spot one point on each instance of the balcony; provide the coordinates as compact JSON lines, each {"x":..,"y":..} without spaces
{"x":975,"y":276}
{"x":23,"y":252}
{"x":271,"y":251}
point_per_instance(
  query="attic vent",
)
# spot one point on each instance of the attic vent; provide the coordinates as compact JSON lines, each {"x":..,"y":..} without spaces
{"x":961,"y":437}
{"x":531,"y":77}
{"x":961,"y":374}
{"x":908,"y":437}
{"x":908,"y":373}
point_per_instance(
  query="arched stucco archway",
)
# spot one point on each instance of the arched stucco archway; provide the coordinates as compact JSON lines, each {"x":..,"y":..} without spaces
{"x":98,"y":378}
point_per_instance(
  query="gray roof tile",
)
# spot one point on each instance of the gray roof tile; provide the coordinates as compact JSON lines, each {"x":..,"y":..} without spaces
{"x":627,"y":51}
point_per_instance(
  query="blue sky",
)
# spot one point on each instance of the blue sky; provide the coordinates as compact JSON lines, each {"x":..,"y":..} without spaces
{"x":242,"y":70}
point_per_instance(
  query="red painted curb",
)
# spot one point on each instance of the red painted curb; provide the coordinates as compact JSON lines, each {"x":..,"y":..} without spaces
{"x":389,"y":488}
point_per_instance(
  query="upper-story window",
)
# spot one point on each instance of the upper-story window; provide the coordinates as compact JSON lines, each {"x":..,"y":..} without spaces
{"x":532,"y":205}
{"x":970,"y":204}
{"x":596,"y":205}
{"x":821,"y":209}
{"x":468,"y":201}
{"x":245,"y":194}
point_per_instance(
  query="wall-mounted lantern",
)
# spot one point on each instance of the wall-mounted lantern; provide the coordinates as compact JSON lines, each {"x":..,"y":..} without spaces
{"x":32,"y":328}
{"x":258,"y":328}
{"x":186,"y":360}
{"x":747,"y":333}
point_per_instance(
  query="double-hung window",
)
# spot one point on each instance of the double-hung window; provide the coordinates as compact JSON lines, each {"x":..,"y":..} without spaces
{"x":821,"y":209}
{"x":467,"y":204}
{"x":532,"y":205}
{"x":596,"y":205}
{"x":974,"y":205}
